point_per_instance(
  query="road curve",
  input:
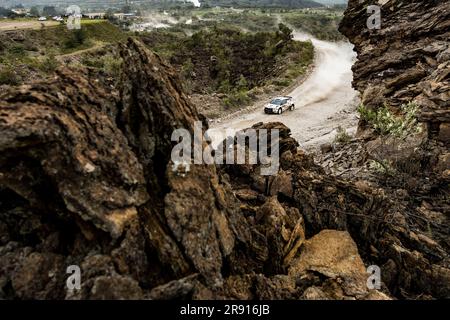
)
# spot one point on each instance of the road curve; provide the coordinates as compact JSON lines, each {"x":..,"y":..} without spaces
{"x":323,"y":102}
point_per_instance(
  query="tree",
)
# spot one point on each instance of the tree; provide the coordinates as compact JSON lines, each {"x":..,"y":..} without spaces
{"x":49,"y":11}
{"x":34,"y":11}
{"x":285,"y":32}
{"x":109,"y":15}
{"x":77,"y":38}
{"x":126,"y":9}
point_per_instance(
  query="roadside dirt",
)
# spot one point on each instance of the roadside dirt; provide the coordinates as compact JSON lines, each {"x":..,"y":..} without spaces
{"x":324,"y":101}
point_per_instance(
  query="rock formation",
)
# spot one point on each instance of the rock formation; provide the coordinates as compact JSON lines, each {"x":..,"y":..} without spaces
{"x":86,"y":179}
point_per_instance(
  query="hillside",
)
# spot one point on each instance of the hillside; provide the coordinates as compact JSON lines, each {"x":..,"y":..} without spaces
{"x":32,"y":54}
{"x":263,"y":3}
{"x":218,"y":64}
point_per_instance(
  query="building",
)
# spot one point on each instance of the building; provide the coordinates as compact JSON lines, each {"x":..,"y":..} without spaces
{"x":21,"y":11}
{"x":124,"y":16}
{"x":95,"y":15}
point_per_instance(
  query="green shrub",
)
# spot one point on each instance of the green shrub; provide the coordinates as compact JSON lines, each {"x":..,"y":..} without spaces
{"x":76,"y":38}
{"x":282,"y":82}
{"x":386,"y":123}
{"x":92,"y":62}
{"x":108,"y":63}
{"x":49,"y":64}
{"x":237,"y":99}
{"x":17,"y":50}
{"x":112,"y":65}
{"x":342,"y":136}
{"x":8,"y":76}
{"x":187,"y":68}
{"x":382,"y":167}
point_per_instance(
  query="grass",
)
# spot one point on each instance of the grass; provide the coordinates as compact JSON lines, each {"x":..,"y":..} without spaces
{"x":8,"y":76}
{"x":37,"y":54}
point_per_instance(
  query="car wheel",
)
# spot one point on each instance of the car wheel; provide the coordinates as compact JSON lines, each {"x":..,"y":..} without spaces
{"x":292,"y":107}
{"x":280,"y":111}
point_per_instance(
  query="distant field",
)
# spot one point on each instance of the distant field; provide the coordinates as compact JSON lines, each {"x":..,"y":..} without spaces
{"x":8,"y":24}
{"x":20,"y":24}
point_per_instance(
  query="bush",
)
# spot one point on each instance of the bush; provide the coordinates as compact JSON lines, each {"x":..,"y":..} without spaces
{"x":8,"y":76}
{"x":108,"y":63}
{"x":111,"y":65}
{"x":386,"y":123}
{"x":342,"y":136}
{"x":282,"y":82}
{"x":49,"y":64}
{"x":76,"y":38}
{"x":18,"y":50}
{"x":382,"y":167}
{"x":237,"y":99}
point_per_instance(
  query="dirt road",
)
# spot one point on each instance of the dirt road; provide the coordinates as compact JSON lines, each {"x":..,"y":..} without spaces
{"x":325,"y":101}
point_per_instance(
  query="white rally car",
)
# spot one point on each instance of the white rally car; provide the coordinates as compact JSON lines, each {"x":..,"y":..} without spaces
{"x":280,"y":104}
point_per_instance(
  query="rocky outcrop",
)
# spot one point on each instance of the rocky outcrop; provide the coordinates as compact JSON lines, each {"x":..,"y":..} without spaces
{"x":93,"y":171}
{"x":86,"y":179}
{"x":407,"y":59}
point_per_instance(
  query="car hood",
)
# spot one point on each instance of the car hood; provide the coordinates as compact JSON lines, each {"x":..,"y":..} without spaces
{"x":271,"y":106}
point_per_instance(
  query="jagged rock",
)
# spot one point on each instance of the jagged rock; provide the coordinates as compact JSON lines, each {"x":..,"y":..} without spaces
{"x":406,"y":59}
{"x":247,"y":194}
{"x":444,"y":132}
{"x":86,"y":178}
{"x":335,"y":255}
{"x":176,"y":289}
{"x":325,"y":148}
{"x":281,"y":184}
{"x":70,"y":151}
{"x":115,"y":288}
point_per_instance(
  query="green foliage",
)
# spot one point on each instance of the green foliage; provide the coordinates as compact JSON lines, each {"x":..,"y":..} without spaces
{"x":284,"y":32}
{"x":8,"y":76}
{"x":382,"y":167}
{"x":76,"y":38}
{"x":281,"y":82}
{"x":262,"y":3}
{"x":112,"y":65}
{"x":109,"y":64}
{"x":34,"y":11}
{"x":386,"y":123}
{"x":49,"y":64}
{"x":49,"y":11}
{"x":187,"y":68}
{"x":17,"y":50}
{"x":322,"y":25}
{"x":342,"y":136}
{"x":237,"y":98}
{"x":242,"y":83}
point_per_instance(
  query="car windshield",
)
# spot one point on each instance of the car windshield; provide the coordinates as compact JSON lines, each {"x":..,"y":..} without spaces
{"x":278,"y":102}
